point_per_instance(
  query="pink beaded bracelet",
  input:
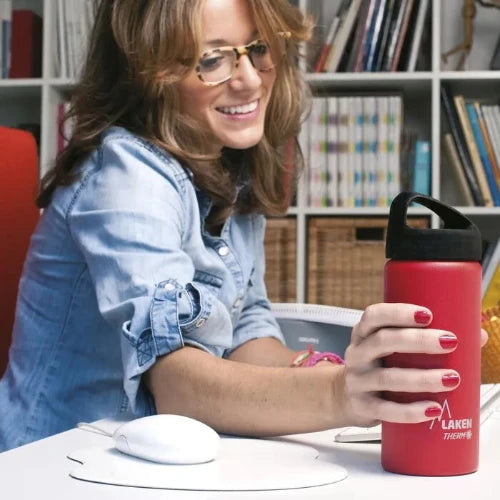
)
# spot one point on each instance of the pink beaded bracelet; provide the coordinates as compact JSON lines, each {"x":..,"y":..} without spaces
{"x":310,"y":358}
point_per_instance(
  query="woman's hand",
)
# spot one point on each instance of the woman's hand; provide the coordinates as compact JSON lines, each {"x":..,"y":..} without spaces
{"x":383,"y":330}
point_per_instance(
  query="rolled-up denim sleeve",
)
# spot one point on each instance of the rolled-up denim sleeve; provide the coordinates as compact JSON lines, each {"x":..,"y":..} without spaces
{"x":256,"y":319}
{"x":128,"y":221}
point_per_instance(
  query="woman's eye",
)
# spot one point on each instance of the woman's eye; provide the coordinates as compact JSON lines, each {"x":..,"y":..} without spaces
{"x":211,"y":63}
{"x":260,"y":49}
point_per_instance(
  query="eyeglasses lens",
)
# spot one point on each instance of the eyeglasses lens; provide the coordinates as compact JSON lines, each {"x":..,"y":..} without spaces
{"x":219,"y":64}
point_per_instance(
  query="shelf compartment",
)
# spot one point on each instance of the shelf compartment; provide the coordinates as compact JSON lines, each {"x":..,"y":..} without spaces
{"x":346,"y":258}
{"x":281,"y":259}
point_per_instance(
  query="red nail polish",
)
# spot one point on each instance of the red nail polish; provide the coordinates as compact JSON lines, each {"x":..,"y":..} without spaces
{"x":433,"y":411}
{"x":450,"y":380}
{"x":422,"y":317}
{"x":448,"y":341}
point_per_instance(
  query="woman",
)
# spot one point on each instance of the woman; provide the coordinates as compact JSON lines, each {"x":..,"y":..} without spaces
{"x":143,"y":288}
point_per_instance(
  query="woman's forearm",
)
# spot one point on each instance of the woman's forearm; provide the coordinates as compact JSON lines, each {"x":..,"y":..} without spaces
{"x":244,"y":399}
{"x":266,"y":351}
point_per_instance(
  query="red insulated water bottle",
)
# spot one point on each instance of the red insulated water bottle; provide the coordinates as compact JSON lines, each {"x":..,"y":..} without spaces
{"x":439,"y":269}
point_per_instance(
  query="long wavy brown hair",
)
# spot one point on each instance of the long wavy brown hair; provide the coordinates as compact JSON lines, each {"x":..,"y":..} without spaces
{"x":138,"y":52}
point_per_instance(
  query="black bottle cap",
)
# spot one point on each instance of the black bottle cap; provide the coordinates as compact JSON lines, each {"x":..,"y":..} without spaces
{"x":458,"y":240}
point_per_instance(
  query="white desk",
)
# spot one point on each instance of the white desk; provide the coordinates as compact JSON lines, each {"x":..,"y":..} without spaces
{"x":40,"y":471}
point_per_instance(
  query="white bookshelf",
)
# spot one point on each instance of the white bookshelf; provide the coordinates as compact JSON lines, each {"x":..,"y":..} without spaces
{"x":422,"y":110}
{"x":36,"y":100}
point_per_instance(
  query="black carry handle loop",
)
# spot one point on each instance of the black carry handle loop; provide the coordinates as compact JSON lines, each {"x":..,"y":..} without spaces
{"x":459,"y":239}
{"x":452,"y":218}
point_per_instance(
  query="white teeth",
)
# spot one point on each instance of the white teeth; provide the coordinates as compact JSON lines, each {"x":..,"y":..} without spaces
{"x":246,"y":108}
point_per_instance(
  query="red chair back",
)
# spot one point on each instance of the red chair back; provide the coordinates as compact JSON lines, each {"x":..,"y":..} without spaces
{"x":18,"y":217}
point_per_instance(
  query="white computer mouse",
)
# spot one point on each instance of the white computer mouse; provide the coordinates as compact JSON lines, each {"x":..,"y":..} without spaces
{"x":168,"y":439}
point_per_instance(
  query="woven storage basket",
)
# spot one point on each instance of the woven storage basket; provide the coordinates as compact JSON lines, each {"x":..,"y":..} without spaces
{"x":346,"y":260}
{"x":490,"y":353}
{"x":281,"y":255}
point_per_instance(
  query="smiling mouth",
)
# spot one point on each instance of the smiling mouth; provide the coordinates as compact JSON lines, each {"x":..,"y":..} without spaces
{"x":243,"y":109}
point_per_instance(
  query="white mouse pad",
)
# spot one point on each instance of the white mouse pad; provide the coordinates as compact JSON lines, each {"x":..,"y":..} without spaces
{"x":242,"y":465}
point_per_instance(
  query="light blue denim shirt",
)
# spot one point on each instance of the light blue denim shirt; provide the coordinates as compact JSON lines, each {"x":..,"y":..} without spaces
{"x":121,"y":270}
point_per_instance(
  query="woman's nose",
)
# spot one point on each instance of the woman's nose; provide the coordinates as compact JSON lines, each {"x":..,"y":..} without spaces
{"x":245,"y":75}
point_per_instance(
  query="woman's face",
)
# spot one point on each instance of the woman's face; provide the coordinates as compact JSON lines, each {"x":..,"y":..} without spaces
{"x":234,"y":111}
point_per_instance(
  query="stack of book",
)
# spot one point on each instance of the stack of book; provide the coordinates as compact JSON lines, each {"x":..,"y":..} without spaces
{"x":377,"y":35}
{"x":20,"y":42}
{"x":473,"y":147}
{"x":352,"y":149}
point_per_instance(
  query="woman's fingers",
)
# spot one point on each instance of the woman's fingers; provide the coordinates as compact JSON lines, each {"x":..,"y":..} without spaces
{"x":403,"y":380}
{"x":389,"y":411}
{"x":383,"y":315}
{"x":405,"y":340}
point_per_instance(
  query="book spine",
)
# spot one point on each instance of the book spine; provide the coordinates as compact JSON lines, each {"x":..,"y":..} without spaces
{"x":360,"y":58}
{"x":417,"y":35}
{"x":495,"y":113}
{"x":491,"y":125}
{"x":332,"y":162}
{"x":357,"y":109}
{"x":343,"y":138}
{"x":342,"y":36}
{"x":327,"y":45}
{"x":395,"y":123}
{"x":382,"y":103}
{"x":351,"y":149}
{"x":370,"y":151}
{"x":459,"y":139}
{"x":394,"y":30}
{"x":473,"y":151}
{"x":483,"y":153}
{"x":358,"y":36}
{"x":454,"y":160}
{"x":318,"y":157}
{"x":374,"y":35}
{"x":402,"y":35}
{"x":422,"y":168}
{"x":488,"y":143}
{"x":384,"y":37}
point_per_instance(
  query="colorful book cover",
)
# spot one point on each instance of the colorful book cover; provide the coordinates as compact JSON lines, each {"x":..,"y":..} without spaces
{"x":483,"y":153}
{"x":422,"y":169}
{"x":488,"y":142}
{"x":473,"y":151}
